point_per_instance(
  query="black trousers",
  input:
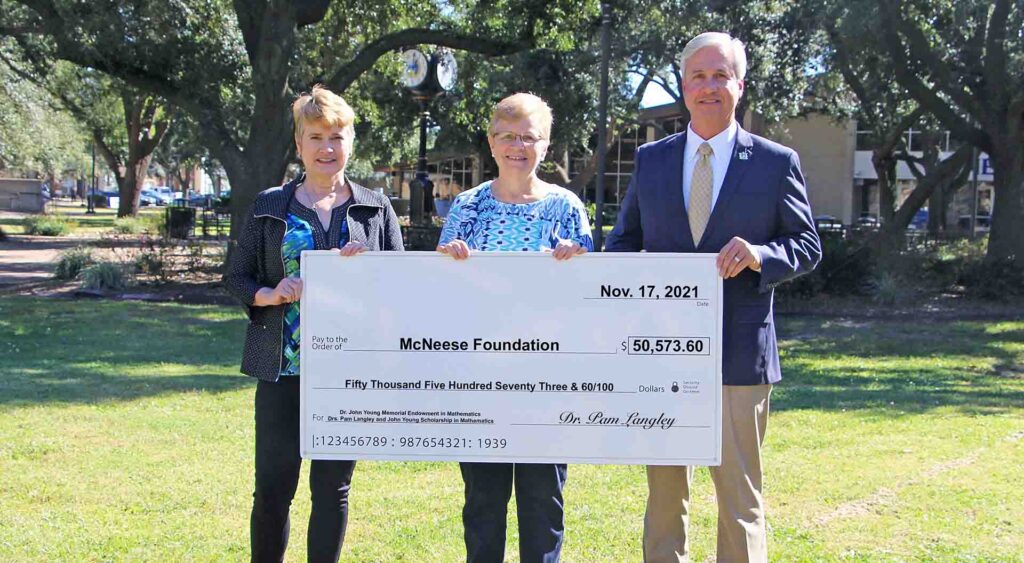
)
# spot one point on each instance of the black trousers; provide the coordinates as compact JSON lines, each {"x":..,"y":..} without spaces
{"x":277,"y":477}
{"x":541,"y":510}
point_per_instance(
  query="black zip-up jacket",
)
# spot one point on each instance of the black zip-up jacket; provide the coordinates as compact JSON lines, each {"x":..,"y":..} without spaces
{"x":257,"y":262}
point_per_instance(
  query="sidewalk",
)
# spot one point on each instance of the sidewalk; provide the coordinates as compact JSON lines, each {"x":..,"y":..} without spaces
{"x":27,"y":259}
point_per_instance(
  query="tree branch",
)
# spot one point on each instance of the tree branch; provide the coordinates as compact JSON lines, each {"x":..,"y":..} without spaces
{"x":641,"y":88}
{"x":944,"y":80}
{"x":677,"y":73}
{"x":996,"y":79}
{"x":55,"y":26}
{"x":851,"y":78}
{"x":947,"y":169}
{"x":925,"y":95}
{"x":913,"y":163}
{"x":250,"y":14}
{"x":113,"y":160}
{"x":664,"y":86}
{"x":895,"y":134}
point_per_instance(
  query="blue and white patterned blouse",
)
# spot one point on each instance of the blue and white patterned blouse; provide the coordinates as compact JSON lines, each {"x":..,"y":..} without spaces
{"x":490,"y":225}
{"x":305,"y":232}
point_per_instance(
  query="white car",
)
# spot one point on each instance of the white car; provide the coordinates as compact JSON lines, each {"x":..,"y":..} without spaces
{"x":163,"y":193}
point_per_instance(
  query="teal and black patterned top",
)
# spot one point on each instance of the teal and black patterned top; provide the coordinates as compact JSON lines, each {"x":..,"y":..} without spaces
{"x":304,"y":231}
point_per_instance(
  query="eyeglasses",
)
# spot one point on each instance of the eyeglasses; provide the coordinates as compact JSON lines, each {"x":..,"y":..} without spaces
{"x":508,"y":137}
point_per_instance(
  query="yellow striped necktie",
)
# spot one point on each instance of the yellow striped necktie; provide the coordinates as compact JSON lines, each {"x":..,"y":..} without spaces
{"x":700,"y":193}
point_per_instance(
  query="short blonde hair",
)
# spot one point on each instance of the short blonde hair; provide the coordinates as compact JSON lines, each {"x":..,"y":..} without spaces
{"x":321,"y":105}
{"x":723,"y":40}
{"x":523,"y":106}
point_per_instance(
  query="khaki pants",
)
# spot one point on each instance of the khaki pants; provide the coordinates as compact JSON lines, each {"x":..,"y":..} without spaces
{"x":742,"y":534}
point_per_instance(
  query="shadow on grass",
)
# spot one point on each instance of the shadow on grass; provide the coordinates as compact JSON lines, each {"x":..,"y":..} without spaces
{"x":96,"y":351}
{"x":86,"y":386}
{"x":899,"y":368}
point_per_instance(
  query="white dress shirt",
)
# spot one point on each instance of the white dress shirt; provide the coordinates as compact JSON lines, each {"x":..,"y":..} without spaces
{"x":722,"y":144}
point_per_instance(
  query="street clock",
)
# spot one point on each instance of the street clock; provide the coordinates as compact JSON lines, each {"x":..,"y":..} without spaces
{"x":416,"y":68}
{"x":428,"y":75}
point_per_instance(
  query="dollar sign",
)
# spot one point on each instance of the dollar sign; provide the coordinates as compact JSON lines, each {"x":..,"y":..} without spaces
{"x":623,"y":345}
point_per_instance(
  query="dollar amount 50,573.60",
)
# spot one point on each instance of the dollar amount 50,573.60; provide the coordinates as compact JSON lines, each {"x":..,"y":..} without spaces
{"x":666,"y":345}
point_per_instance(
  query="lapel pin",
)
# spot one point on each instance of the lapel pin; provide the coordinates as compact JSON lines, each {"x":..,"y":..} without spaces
{"x":744,"y":154}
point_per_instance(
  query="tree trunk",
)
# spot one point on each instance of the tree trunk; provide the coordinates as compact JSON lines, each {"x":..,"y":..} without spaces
{"x":1006,"y":239}
{"x":885,"y":169}
{"x":130,"y":187}
{"x":937,"y":205}
{"x":183,"y":173}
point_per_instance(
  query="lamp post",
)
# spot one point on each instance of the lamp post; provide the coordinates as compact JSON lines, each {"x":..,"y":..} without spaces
{"x":602,"y":127}
{"x":90,"y":206}
{"x":427,"y":77}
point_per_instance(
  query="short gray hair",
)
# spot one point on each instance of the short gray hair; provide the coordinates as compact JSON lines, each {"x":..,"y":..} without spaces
{"x":724,"y":40}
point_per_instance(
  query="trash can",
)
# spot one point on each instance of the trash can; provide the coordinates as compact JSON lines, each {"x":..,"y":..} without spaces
{"x":180,"y":221}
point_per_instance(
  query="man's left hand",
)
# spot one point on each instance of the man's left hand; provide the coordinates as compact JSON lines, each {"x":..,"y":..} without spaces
{"x":736,"y":256}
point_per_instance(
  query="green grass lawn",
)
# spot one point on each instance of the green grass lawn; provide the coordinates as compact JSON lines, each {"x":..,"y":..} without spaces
{"x":126,"y":435}
{"x":102,"y":221}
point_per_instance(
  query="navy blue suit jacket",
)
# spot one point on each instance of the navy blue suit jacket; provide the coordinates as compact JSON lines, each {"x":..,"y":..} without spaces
{"x":763,"y":201}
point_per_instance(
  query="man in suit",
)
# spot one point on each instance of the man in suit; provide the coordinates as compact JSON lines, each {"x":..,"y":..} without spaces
{"x":716,"y":188}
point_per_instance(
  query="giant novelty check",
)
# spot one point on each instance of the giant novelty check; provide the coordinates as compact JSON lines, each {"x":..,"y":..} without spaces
{"x":505,"y":357}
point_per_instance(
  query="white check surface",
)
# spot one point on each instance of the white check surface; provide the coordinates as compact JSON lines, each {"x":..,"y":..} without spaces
{"x":605,"y":358}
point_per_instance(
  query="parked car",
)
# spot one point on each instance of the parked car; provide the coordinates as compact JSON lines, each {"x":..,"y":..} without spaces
{"x":828,"y":224}
{"x":868,"y":221}
{"x":165,"y":193}
{"x":147,"y":198}
{"x":161,"y":199}
{"x":202,"y":200}
{"x":108,"y":198}
{"x":920,"y":220}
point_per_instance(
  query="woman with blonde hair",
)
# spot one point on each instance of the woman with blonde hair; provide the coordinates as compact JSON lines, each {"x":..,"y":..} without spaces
{"x":517,"y":211}
{"x":319,"y":210}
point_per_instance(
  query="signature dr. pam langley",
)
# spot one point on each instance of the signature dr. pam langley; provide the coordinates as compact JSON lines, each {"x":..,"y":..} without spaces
{"x":599,"y":418}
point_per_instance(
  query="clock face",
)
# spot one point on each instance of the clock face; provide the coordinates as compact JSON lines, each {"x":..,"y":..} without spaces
{"x":415,"y":68}
{"x":446,"y":70}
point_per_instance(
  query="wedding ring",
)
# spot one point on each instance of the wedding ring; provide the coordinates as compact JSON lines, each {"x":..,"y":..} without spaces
{"x":735,"y":258}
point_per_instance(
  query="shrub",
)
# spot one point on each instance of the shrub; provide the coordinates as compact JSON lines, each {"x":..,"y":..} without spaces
{"x":152,"y":262}
{"x":993,"y":280}
{"x":48,"y":225}
{"x":149,"y":223}
{"x":154,"y":224}
{"x":128,"y":226}
{"x":845,"y":269}
{"x":892,"y":289}
{"x":609,"y":213}
{"x":105,"y":275}
{"x":591,"y":211}
{"x":72,"y":261}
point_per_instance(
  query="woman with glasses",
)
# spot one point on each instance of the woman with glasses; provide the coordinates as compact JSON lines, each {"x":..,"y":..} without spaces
{"x":518,"y":212}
